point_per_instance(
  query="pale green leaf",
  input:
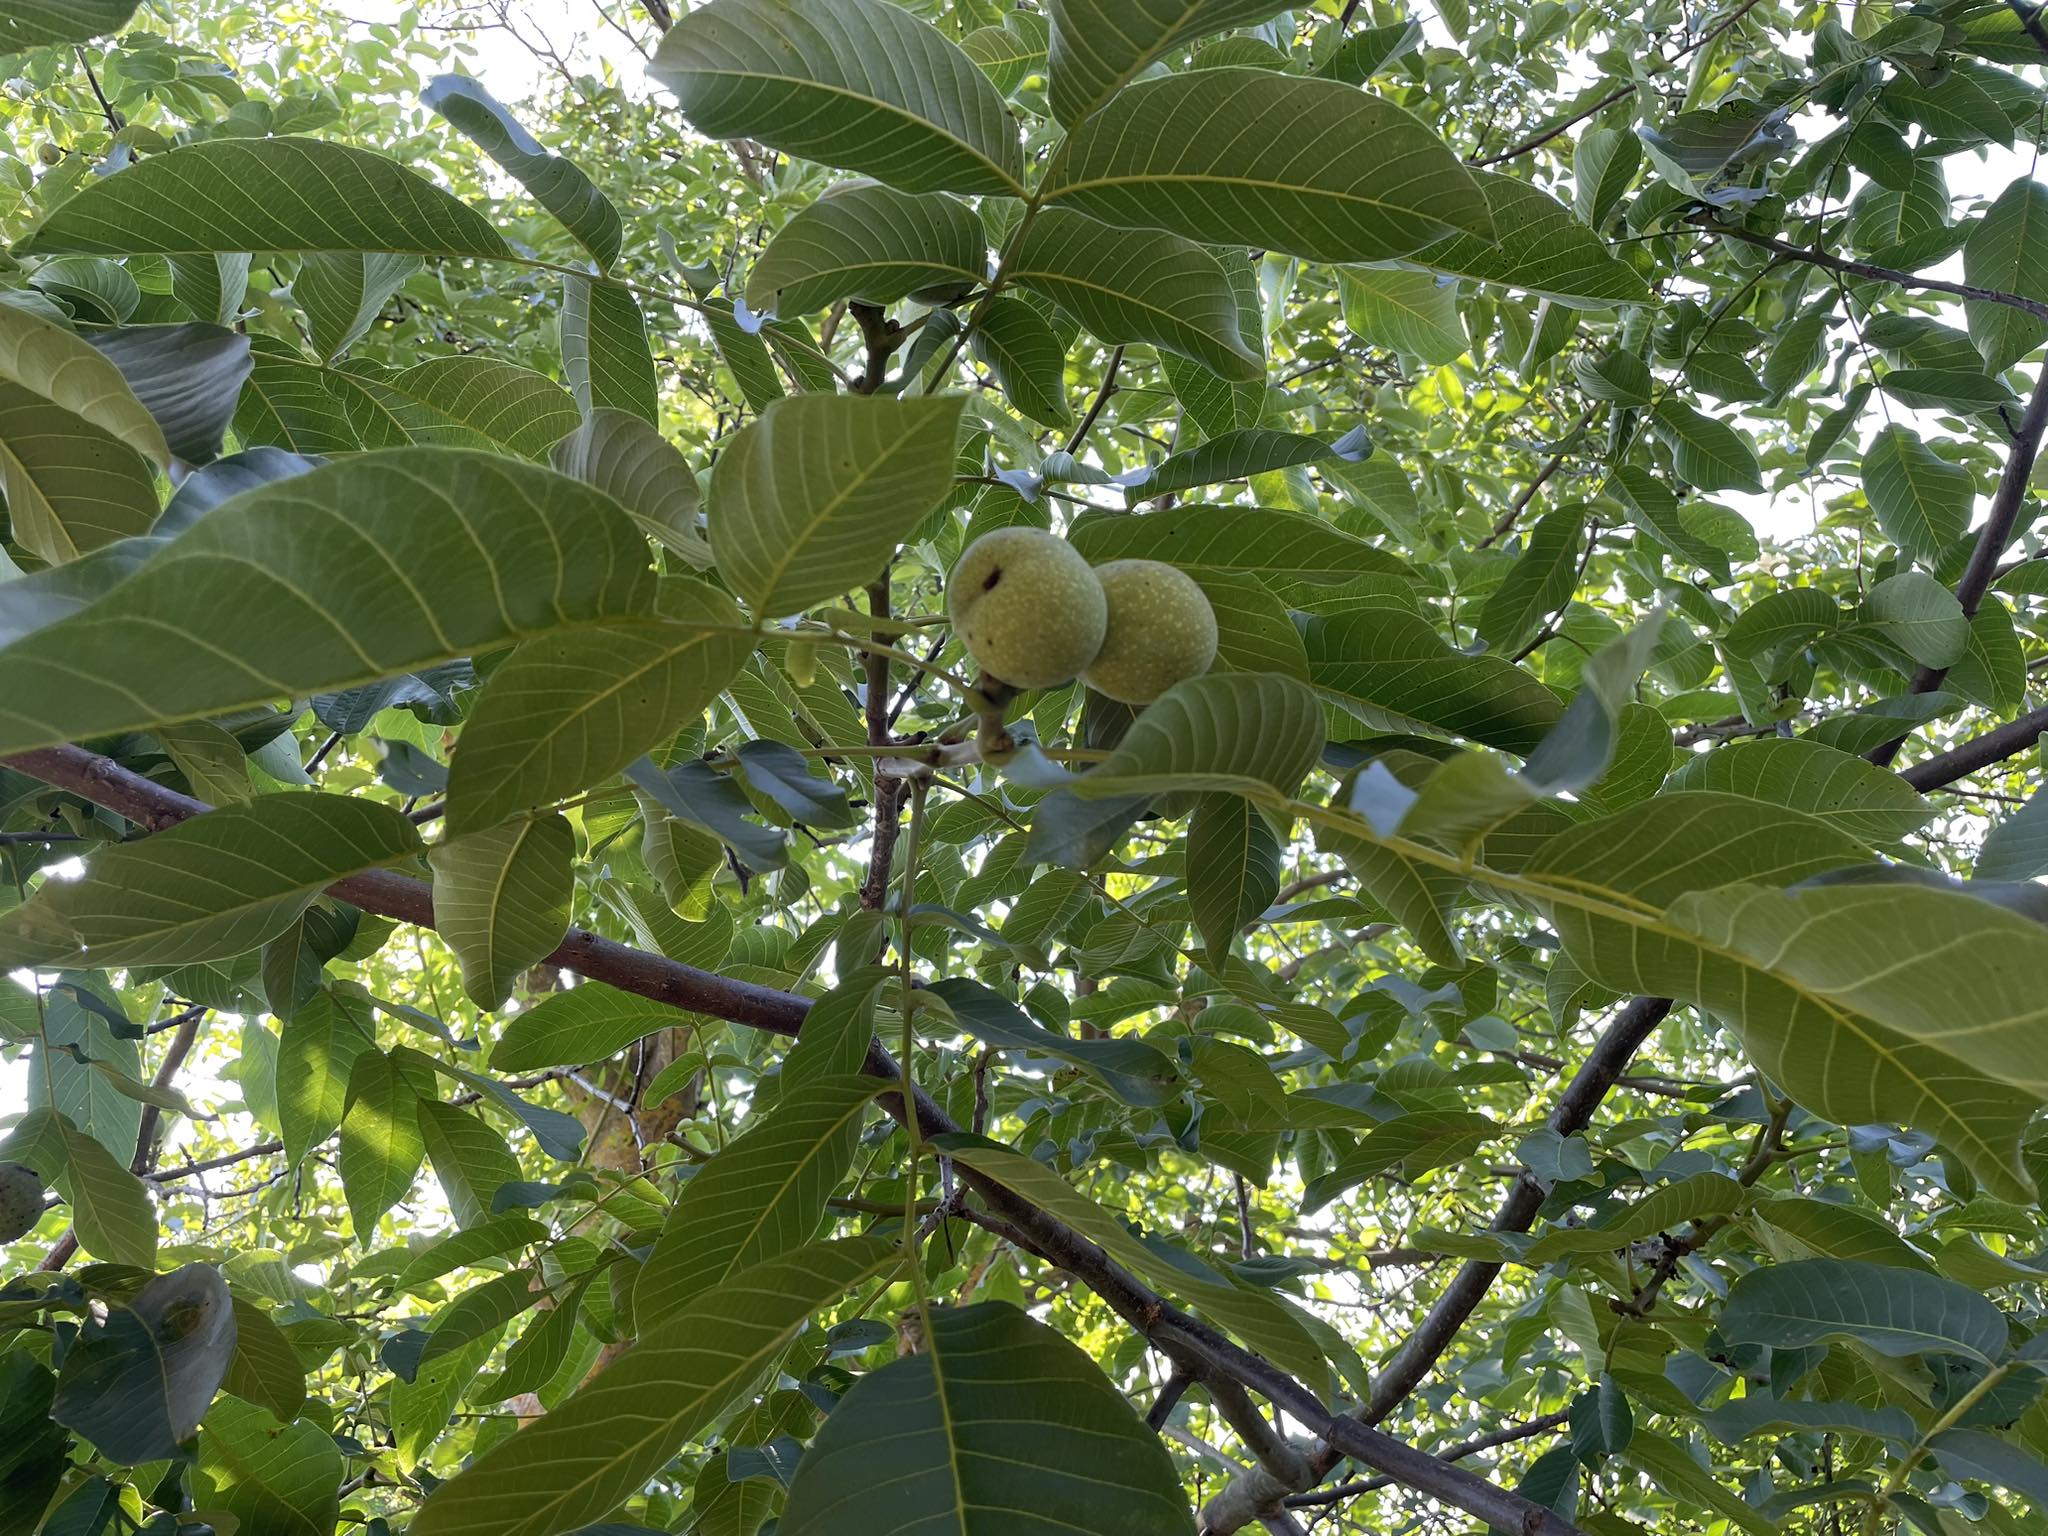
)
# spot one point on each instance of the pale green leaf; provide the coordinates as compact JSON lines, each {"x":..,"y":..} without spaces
{"x":811,"y":499}
{"x":274,"y":194}
{"x":1097,"y":47}
{"x":1137,"y":285}
{"x":42,"y":23}
{"x":1868,"y":803}
{"x":110,"y":1212}
{"x":567,"y":711}
{"x":1284,"y":546}
{"x":631,"y":462}
{"x":381,"y":1144}
{"x":605,"y":351}
{"x":577,"y":1463}
{"x":210,"y":888}
{"x":1233,"y":861}
{"x":760,"y":1197}
{"x":1545,"y":250}
{"x":869,"y":242}
{"x":997,"y":1427}
{"x":587,"y":1023}
{"x":1353,"y":178}
{"x":501,"y":900}
{"x":343,"y":293}
{"x":1412,"y":312}
{"x":316,"y":1056}
{"x":357,"y":571}
{"x":858,"y":84}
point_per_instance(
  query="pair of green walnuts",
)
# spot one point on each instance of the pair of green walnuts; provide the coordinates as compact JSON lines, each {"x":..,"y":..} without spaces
{"x":1034,"y":614}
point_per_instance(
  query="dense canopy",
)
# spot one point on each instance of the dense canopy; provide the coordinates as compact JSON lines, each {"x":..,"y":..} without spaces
{"x":992,"y":767}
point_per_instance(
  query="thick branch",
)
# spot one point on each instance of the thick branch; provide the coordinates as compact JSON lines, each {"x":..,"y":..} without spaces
{"x":1978,"y":753}
{"x":1205,"y":1354}
{"x":1999,"y":523}
{"x":1336,"y":1493}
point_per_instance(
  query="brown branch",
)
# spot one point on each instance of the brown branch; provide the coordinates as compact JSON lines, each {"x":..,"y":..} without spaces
{"x":1513,"y":514}
{"x":2006,"y":503}
{"x":1574,"y":1111}
{"x":207,"y":1165}
{"x":1185,"y":1340}
{"x":1876,"y":274}
{"x":1980,"y":752}
{"x":1102,"y":398}
{"x":1338,"y":1492}
{"x":113,"y":118}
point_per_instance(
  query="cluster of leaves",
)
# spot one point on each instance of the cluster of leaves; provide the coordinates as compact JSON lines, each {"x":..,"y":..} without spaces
{"x":482,"y":760}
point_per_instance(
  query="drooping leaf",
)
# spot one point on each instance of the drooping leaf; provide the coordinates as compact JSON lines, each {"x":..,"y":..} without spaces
{"x":110,"y":1212}
{"x":381,"y":1144}
{"x":810,"y":499}
{"x":605,"y":351}
{"x":1233,"y":862}
{"x":1538,"y":584}
{"x":631,"y":462}
{"x":1137,"y":285}
{"x":273,"y":194}
{"x":316,"y":1057}
{"x":556,"y":184}
{"x":502,"y":898}
{"x":137,"y":1382}
{"x":1024,"y":353}
{"x":1173,"y":154}
{"x":187,"y":376}
{"x":921,"y":1443}
{"x":368,"y":569}
{"x":343,"y":293}
{"x":1391,"y":669}
{"x":869,"y":242}
{"x":858,"y":84}
{"x":760,"y":1197}
{"x":576,"y":1464}
{"x":209,"y":888}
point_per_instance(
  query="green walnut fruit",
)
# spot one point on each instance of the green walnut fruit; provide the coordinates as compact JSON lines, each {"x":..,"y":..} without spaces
{"x":1027,"y":607}
{"x":49,"y":153}
{"x":21,"y":1201}
{"x":1162,"y":631}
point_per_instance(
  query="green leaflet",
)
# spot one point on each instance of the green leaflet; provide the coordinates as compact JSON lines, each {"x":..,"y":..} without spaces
{"x":321,"y":582}
{"x":760,"y":1197}
{"x":1172,"y":153}
{"x":276,"y":194}
{"x":859,"y":84}
{"x":556,"y":184}
{"x":925,"y":1428}
{"x":206,"y":889}
{"x":574,"y":1465}
{"x":502,"y":899}
{"x":811,"y":498}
